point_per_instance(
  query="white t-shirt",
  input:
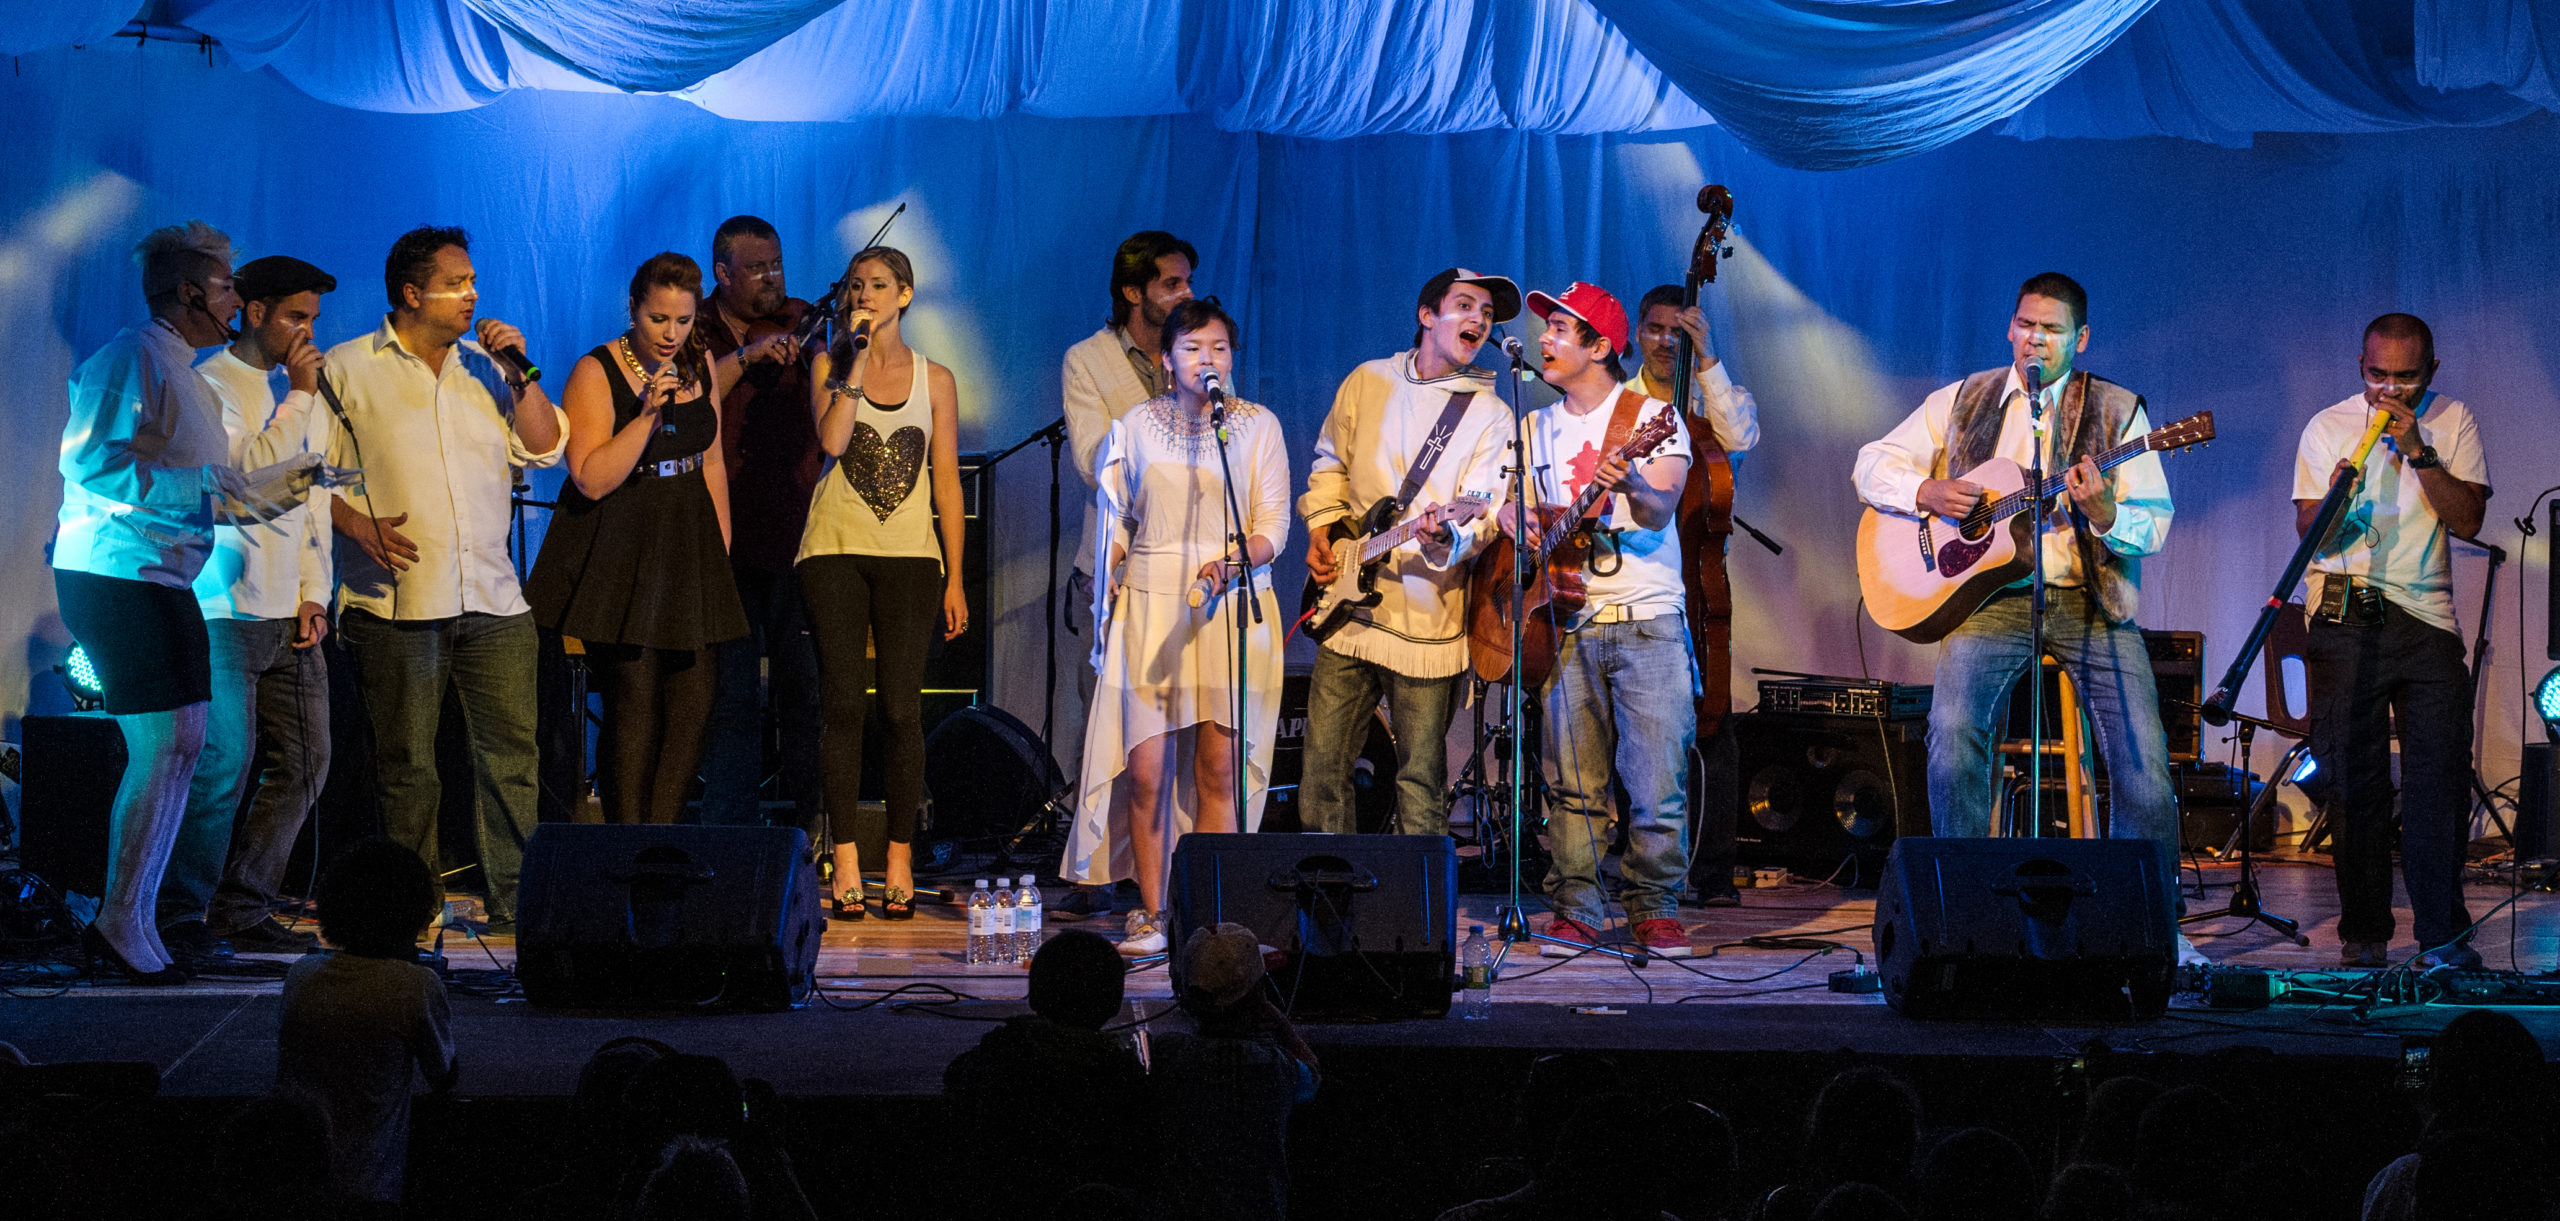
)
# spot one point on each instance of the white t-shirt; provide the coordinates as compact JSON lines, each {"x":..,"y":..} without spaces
{"x":1642,"y":567}
{"x":2390,"y":536}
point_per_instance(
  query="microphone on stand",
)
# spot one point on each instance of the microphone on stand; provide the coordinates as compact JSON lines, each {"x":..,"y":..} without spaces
{"x":1217,"y":388}
{"x":2035,"y":387}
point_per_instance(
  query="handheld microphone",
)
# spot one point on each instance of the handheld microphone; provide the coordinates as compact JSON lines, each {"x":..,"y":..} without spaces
{"x":862,"y":335}
{"x":1201,"y":591}
{"x":515,"y":358}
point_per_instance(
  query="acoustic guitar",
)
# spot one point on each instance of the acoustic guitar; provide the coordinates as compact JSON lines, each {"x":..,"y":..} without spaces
{"x":1556,"y":594}
{"x":1922,"y":574}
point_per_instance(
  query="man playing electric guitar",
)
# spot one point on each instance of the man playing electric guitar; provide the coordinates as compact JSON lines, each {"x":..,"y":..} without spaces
{"x":1621,"y":700}
{"x":2092,"y":545}
{"x":1425,"y":427}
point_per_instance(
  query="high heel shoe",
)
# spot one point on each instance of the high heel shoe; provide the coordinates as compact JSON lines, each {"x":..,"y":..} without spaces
{"x":847,"y":910}
{"x":100,"y":951}
{"x":896,"y":904}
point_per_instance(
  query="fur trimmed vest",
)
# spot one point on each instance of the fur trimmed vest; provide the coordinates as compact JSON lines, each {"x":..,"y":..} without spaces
{"x":2091,"y":419}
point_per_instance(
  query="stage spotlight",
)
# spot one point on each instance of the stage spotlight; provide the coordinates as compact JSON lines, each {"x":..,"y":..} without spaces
{"x":80,"y":677}
{"x":2546,"y":701}
{"x":2309,"y":767}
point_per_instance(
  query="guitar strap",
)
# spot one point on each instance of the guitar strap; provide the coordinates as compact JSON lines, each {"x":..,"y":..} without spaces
{"x":1437,"y":441}
{"x":1622,"y":424}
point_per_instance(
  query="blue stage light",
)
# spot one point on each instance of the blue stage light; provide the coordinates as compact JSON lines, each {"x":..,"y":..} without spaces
{"x":80,"y":675}
{"x":2546,"y":701}
{"x":2309,"y":767}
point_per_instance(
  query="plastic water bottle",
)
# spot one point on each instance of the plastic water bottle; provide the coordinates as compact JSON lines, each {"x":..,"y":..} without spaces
{"x":982,"y":923}
{"x":1475,"y":965}
{"x":1026,"y":920}
{"x":1000,"y":922}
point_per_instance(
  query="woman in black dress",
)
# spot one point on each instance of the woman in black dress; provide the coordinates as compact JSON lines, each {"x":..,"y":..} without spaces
{"x":636,"y":563}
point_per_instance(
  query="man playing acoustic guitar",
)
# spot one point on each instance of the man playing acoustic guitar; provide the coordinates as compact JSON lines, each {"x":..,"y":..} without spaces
{"x":1621,"y":701}
{"x":2092,"y":547}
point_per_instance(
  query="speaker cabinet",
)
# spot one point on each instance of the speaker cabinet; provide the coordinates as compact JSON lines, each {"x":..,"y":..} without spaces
{"x":1820,"y":791}
{"x":2177,"y":670}
{"x":2538,"y":804}
{"x":2025,"y":928}
{"x":2212,"y":798}
{"x":72,"y":767}
{"x":1364,"y":923}
{"x":649,"y":916}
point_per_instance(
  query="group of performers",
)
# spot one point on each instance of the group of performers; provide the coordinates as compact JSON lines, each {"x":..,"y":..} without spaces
{"x":734,"y":503}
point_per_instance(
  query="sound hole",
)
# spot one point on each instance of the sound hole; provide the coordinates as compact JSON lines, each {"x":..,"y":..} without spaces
{"x":1863,"y":804}
{"x":1775,"y":800}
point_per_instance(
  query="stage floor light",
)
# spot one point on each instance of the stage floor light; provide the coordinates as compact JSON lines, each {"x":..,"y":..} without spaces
{"x":2546,"y":702}
{"x":80,"y":677}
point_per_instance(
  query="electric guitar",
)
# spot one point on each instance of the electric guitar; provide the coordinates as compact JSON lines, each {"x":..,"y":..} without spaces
{"x":1923,"y":574}
{"x":1556,"y":593}
{"x":1323,"y":609}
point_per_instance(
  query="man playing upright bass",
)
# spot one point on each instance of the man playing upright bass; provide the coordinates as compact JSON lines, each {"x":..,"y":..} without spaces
{"x":2093,"y":546}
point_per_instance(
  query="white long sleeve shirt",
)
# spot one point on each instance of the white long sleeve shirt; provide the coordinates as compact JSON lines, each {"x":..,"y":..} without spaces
{"x":1891,"y":469}
{"x":1381,"y":416}
{"x":142,"y":429}
{"x":267,"y":570}
{"x":1729,"y":407}
{"x":442,"y":448}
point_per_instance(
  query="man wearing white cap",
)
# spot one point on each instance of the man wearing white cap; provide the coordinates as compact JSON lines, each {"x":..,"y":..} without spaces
{"x":1424,"y":427}
{"x":1621,"y":702}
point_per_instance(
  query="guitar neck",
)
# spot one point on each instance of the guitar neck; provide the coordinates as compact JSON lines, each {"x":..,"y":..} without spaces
{"x":1591,"y":494}
{"x":2054,"y":485}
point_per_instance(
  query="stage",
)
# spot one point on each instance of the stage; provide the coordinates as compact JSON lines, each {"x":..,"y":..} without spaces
{"x":1751,"y":1029}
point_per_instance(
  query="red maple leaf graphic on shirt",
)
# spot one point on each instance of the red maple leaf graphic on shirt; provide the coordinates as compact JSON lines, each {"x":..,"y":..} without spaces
{"x":1580,"y":468}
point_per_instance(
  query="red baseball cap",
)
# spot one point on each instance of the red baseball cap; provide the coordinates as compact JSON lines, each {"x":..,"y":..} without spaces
{"x":1592,"y":304}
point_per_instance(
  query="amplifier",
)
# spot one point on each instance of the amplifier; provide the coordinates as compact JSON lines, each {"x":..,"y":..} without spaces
{"x":2177,"y":669}
{"x":1844,"y":697}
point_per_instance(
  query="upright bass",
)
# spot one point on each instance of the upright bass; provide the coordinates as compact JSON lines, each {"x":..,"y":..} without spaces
{"x":1705,"y":517}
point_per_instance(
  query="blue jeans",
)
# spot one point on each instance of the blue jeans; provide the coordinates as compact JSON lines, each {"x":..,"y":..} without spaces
{"x":1982,"y":661}
{"x":263,"y":688}
{"x":1341,"y":696}
{"x":403,"y":667}
{"x":1623,"y":694}
{"x":733,"y":750}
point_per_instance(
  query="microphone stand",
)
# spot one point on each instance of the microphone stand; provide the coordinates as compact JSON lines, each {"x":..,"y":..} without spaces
{"x":1244,"y":572}
{"x":2035,"y":605}
{"x":1054,"y":435}
{"x":1513,"y":925}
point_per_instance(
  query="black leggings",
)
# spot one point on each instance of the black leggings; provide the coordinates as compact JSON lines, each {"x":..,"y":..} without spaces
{"x":657,"y":702}
{"x":891,"y":601}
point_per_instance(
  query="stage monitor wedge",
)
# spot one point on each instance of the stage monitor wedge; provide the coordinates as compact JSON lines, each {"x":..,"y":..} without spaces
{"x":1365,"y":925}
{"x":668,"y":917}
{"x":2025,"y":928}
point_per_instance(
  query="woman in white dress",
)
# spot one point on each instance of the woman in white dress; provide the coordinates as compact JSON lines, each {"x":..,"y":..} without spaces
{"x":1159,"y":745}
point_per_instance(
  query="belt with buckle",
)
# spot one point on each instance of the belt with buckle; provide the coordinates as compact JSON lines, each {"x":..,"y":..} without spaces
{"x":1619,"y":612}
{"x":672,"y":466}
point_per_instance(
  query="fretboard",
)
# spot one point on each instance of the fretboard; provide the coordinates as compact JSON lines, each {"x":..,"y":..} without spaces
{"x":2054,"y":485}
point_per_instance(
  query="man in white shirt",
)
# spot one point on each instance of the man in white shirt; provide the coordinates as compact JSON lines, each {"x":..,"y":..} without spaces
{"x":430,"y":595}
{"x":1621,"y":703}
{"x":1102,"y":378}
{"x":2384,"y":647}
{"x":265,"y":594}
{"x":1734,"y":417}
{"x":2093,"y":544}
{"x":1428,"y":404}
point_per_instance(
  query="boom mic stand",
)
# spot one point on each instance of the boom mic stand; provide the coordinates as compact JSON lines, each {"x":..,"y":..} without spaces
{"x":2245,"y":904}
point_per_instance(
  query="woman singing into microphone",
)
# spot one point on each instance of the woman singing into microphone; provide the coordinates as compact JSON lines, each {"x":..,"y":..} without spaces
{"x":1159,"y":742}
{"x":879,"y":559}
{"x":636,"y":563}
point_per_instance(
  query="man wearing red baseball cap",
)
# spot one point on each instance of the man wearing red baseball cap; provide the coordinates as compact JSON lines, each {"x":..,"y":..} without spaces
{"x":1422,"y":428}
{"x":1621,"y":703}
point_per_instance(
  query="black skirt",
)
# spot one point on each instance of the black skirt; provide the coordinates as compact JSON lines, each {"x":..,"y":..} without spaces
{"x":147,"y":641}
{"x":643,"y":566}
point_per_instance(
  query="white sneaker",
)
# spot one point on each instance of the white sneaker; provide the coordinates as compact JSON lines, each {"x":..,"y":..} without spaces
{"x":1143,"y":934}
{"x":2189,"y":955}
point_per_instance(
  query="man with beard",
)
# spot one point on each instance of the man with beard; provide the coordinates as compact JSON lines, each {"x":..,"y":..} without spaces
{"x":1734,"y":417}
{"x":265,"y":595}
{"x":770,"y":445}
{"x":1425,"y":412}
{"x":2385,"y":650}
{"x":1104,"y":376}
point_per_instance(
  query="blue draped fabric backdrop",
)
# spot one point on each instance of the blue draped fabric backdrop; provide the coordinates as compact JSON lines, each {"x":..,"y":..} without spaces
{"x":2226,"y":278}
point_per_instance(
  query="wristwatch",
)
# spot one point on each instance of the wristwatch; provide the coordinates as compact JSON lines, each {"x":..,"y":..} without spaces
{"x":2426,"y":459}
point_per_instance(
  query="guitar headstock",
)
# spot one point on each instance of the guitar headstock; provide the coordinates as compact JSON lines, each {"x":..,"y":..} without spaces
{"x":1465,"y":508}
{"x":1650,"y":437}
{"x":2196,"y":429}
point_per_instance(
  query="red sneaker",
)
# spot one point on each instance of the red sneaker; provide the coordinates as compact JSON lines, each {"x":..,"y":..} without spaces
{"x":1662,"y":937}
{"x":1576,"y":938}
